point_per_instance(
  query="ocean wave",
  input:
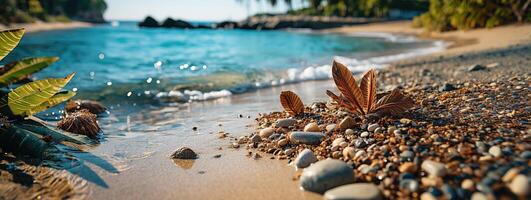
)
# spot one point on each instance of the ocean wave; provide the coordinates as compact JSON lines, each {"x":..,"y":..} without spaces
{"x":310,"y":73}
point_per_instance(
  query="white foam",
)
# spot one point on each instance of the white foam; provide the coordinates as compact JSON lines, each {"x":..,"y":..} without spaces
{"x":295,"y":75}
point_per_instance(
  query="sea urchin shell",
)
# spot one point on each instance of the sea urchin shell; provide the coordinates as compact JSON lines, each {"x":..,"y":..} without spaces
{"x":80,"y":122}
{"x":92,"y":106}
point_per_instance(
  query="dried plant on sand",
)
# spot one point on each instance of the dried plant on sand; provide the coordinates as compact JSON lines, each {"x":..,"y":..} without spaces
{"x":291,"y":102}
{"x":362,"y":99}
{"x":80,"y":122}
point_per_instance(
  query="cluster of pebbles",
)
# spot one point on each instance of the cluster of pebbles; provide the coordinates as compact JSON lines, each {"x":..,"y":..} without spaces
{"x":470,"y":140}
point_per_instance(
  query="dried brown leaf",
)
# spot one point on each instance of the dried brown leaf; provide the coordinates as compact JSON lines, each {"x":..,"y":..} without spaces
{"x":346,"y":84}
{"x":341,"y":101}
{"x":368,"y":88}
{"x":291,"y":102}
{"x":393,"y":103}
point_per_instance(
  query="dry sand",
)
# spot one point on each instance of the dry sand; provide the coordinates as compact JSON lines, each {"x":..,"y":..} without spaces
{"x":47,"y":26}
{"x":460,"y":41}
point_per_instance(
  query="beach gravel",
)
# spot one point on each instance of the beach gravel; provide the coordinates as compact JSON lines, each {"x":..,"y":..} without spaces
{"x":326,"y":174}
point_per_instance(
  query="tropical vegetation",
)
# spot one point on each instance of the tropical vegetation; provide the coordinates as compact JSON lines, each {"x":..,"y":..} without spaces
{"x":24,"y":11}
{"x":20,"y":131}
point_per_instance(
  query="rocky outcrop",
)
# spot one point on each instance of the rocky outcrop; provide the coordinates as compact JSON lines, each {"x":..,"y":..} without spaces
{"x":268,"y":23}
{"x":149,"y":22}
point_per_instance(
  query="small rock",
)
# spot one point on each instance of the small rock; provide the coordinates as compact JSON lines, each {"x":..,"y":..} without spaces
{"x":306,"y":137}
{"x":364,"y":134}
{"x":434,"y":168}
{"x":408,"y":167}
{"x":479,"y":196}
{"x":468,"y":184}
{"x":312,"y":127}
{"x":337,"y":141}
{"x":256,"y":139}
{"x":305,"y":158}
{"x":476,"y":67}
{"x":283,"y":142}
{"x":329,"y":128}
{"x":354,"y":191}
{"x":409,"y":184}
{"x":266,"y":132}
{"x":343,"y":144}
{"x":492,"y":65}
{"x":495,"y":151}
{"x":346,"y":123}
{"x":427,"y":196}
{"x":391,"y":129}
{"x":372,"y":127}
{"x":349,"y":152}
{"x":326,"y":174}
{"x":520,"y":185}
{"x":447,"y":87}
{"x":285,"y":123}
{"x":407,"y":154}
{"x":184,"y":153}
{"x":349,"y":132}
{"x":509,"y":175}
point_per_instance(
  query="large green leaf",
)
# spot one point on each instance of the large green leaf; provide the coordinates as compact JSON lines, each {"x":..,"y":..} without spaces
{"x":19,"y":70}
{"x":9,"y":40}
{"x":52,"y":101}
{"x":25,"y":98}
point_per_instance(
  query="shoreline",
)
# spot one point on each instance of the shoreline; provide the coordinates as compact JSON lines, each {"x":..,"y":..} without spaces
{"x":48,"y":26}
{"x":459,"y":41}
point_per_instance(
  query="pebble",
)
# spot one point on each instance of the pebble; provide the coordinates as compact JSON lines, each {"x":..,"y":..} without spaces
{"x":349,"y":152}
{"x":306,"y":137}
{"x":283,"y":142}
{"x":495,"y":151}
{"x":337,"y":141}
{"x":479,"y":196}
{"x":346,"y":123}
{"x":476,"y":67}
{"x":305,"y":158}
{"x":364,"y":134}
{"x":285,"y":123}
{"x":289,"y":151}
{"x":468,"y":184}
{"x":447,"y":87}
{"x":331,"y":127}
{"x":434,"y":168}
{"x":391,"y":129}
{"x":349,"y":132}
{"x":266,"y":132}
{"x":509,"y":175}
{"x":326,"y":174}
{"x":407,"y":154}
{"x":367,"y":191}
{"x":408,"y":167}
{"x":184,"y":153}
{"x":410,"y":184}
{"x":427,"y":196}
{"x":312,"y":127}
{"x":372,"y":127}
{"x":520,"y":185}
{"x":256,"y":139}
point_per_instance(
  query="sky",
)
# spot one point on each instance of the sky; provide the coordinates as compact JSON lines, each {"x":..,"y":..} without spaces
{"x":196,"y":10}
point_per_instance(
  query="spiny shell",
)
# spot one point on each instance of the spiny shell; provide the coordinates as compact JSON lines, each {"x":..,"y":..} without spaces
{"x":80,"y":122}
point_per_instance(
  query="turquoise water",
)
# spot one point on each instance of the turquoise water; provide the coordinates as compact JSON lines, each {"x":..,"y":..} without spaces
{"x":170,"y":65}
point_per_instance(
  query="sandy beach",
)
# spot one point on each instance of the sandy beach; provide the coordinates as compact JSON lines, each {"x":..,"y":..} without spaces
{"x":47,"y":26}
{"x":140,"y":161}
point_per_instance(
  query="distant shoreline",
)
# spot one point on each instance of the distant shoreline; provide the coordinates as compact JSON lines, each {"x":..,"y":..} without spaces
{"x":48,"y":26}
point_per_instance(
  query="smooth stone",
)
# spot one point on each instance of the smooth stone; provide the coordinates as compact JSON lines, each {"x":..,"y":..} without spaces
{"x":283,"y":142}
{"x":337,"y":141}
{"x":356,"y":191}
{"x":343,"y":144}
{"x":408,"y":167}
{"x":306,"y":137}
{"x":449,"y":192}
{"x":331,"y":127}
{"x":427,"y":196}
{"x":349,"y":132}
{"x":364,"y":134}
{"x":407,"y":154}
{"x":346,"y":123}
{"x":510,"y":174}
{"x":526,"y":155}
{"x":409,"y":184}
{"x":434,"y":168}
{"x":285,"y":123}
{"x":447,"y":87}
{"x":266,"y":132}
{"x":184,"y":153}
{"x":312,"y":127}
{"x":326,"y":174}
{"x":379,"y":130}
{"x":289,"y":151}
{"x":305,"y":158}
{"x":476,"y":67}
{"x":256,"y":138}
{"x":520,"y":185}
{"x":467,"y":184}
{"x":391,"y":129}
{"x":372,"y":127}
{"x":495,"y":151}
{"x":349,"y":152}
{"x":479,"y":196}
{"x":360,"y":154}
